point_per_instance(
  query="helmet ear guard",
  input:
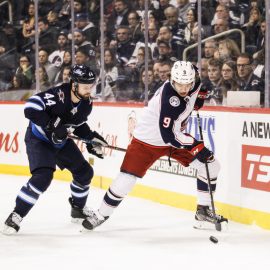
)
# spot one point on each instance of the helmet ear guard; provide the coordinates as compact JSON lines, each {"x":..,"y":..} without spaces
{"x":183,"y":72}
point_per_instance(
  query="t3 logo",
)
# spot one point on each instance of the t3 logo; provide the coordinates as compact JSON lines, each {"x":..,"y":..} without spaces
{"x":256,"y":167}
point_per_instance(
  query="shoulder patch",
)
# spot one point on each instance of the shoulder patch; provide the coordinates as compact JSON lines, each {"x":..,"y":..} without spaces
{"x":174,"y":101}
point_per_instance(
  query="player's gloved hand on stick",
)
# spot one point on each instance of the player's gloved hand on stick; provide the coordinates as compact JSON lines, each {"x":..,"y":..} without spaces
{"x":95,"y":148}
{"x":202,"y":95}
{"x":200,"y":152}
{"x":59,"y":131}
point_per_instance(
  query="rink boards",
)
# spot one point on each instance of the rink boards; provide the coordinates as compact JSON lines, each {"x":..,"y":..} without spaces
{"x":240,"y":139}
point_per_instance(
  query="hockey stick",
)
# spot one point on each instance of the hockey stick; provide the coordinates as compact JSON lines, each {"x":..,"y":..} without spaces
{"x":217,"y":224}
{"x":95,"y":143}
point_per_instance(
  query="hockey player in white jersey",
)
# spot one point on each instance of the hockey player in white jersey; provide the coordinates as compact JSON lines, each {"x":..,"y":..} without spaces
{"x":160,"y":132}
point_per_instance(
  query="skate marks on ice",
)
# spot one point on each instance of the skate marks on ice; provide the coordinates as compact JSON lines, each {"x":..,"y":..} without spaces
{"x":140,"y":234}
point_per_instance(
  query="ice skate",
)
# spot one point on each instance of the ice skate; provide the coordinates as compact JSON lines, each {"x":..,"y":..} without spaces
{"x":205,"y":218}
{"x":12,"y":224}
{"x":93,"y":221}
{"x":79,"y":214}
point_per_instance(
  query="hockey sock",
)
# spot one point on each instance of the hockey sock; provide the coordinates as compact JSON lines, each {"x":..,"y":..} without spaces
{"x":79,"y":194}
{"x":203,"y":191}
{"x":26,"y":199}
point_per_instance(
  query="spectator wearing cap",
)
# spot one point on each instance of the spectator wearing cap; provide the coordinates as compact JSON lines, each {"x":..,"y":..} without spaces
{"x":81,"y":42}
{"x":164,"y":50}
{"x":90,"y":31}
{"x":247,"y":79}
{"x":123,"y":45}
{"x":57,"y":56}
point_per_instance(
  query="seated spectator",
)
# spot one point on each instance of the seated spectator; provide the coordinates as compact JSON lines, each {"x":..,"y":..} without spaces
{"x":229,"y":79}
{"x":110,"y":77}
{"x":119,"y":16}
{"x":44,"y":83}
{"x":260,"y":42}
{"x":221,"y":25}
{"x":191,"y":23}
{"x":213,"y":85}
{"x":228,"y":49}
{"x":164,"y":71}
{"x":47,"y":35}
{"x":57,"y":56}
{"x":247,"y":80}
{"x":123,"y":45}
{"x":159,"y":13}
{"x":28,"y":28}
{"x":183,"y":7}
{"x":134,"y":26}
{"x":152,"y":36}
{"x":210,"y":47}
{"x":65,"y":65}
{"x":50,"y":68}
{"x":252,"y":27}
{"x":25,"y":72}
{"x":88,"y":28}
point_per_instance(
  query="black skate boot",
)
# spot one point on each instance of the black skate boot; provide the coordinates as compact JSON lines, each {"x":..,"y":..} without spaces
{"x":12,"y":224}
{"x":79,"y":214}
{"x":95,"y":220}
{"x":205,"y":215}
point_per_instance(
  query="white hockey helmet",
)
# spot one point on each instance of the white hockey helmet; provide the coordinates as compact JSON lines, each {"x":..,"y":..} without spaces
{"x":182,"y":72}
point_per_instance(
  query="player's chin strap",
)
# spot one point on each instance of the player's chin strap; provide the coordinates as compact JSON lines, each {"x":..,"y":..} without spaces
{"x":76,"y":92}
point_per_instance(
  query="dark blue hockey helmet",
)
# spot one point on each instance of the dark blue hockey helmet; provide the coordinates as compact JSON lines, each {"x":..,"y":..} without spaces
{"x":82,"y":74}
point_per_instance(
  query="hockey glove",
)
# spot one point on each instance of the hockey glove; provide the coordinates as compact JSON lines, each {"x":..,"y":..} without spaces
{"x":202,"y":95}
{"x":58,"y":131}
{"x":200,"y":152}
{"x":95,"y":148}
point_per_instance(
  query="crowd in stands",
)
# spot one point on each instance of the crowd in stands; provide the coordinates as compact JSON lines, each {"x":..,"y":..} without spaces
{"x":172,"y":27}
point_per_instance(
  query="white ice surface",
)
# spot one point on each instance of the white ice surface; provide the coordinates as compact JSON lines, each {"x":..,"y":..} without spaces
{"x":139,"y":235}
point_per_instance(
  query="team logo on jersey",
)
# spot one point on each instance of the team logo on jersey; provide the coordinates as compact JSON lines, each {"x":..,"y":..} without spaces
{"x":174,"y":101}
{"x":61,"y":95}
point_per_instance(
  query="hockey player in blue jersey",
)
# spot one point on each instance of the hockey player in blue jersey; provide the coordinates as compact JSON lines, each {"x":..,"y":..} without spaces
{"x":54,"y":114}
{"x":159,"y":132}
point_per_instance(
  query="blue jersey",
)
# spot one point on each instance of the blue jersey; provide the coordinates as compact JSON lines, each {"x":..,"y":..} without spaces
{"x":53,"y":103}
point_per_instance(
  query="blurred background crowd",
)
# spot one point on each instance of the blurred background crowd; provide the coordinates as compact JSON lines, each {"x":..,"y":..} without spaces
{"x":227,"y":62}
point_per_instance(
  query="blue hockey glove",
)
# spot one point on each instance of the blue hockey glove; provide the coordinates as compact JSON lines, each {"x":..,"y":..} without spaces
{"x":58,"y":131}
{"x":95,"y":148}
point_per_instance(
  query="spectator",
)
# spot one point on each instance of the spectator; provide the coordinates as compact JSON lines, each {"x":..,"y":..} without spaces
{"x":134,"y":26}
{"x":47,"y":35}
{"x":50,"y":68}
{"x":228,"y":49}
{"x":210,"y":47}
{"x":159,"y":13}
{"x":164,"y":51}
{"x":260,"y":42}
{"x":191,"y":24}
{"x":119,"y":16}
{"x":123,"y":45}
{"x":220,"y":26}
{"x":229,"y":79}
{"x":65,"y":65}
{"x":28,"y":28}
{"x":183,"y":7}
{"x":57,"y":56}
{"x":213,"y":85}
{"x":88,"y":28}
{"x":247,"y":80}
{"x":164,"y":71}
{"x":44,"y":83}
{"x":25,"y":72}
{"x":110,"y":76}
{"x":152,"y":37}
{"x":81,"y":57}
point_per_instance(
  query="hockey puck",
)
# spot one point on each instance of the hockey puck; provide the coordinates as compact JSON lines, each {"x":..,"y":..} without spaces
{"x":213,"y":239}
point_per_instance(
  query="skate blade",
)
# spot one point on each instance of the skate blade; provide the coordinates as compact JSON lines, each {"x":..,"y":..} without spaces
{"x":204,"y":225}
{"x":8,"y":230}
{"x":77,"y":220}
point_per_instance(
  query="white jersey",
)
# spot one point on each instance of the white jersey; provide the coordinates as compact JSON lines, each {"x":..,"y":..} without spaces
{"x":164,"y":119}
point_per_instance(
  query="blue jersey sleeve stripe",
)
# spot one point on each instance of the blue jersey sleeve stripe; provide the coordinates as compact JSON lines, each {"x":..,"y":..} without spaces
{"x":33,"y":106}
{"x":37,"y":99}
